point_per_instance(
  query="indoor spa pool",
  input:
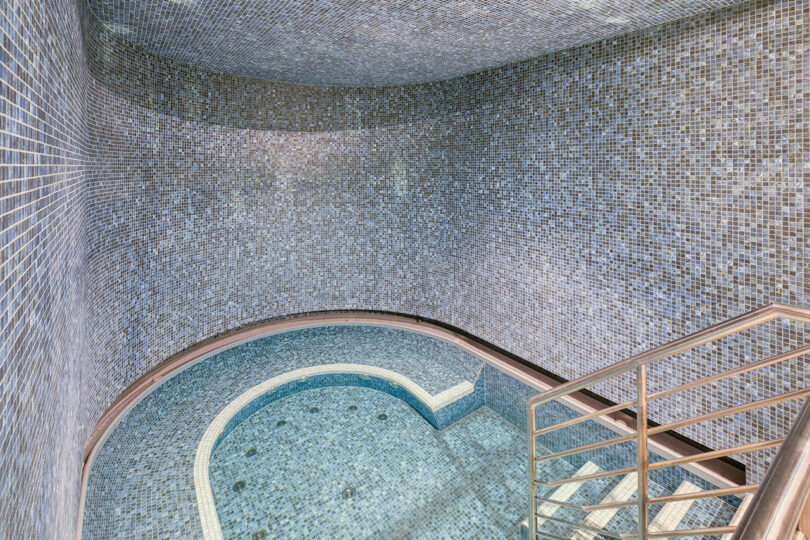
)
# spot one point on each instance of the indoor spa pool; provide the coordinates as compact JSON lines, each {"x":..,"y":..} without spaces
{"x":404,"y":269}
{"x":356,"y":431}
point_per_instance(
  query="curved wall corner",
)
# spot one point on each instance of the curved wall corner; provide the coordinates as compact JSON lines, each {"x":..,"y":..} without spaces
{"x":44,"y":175}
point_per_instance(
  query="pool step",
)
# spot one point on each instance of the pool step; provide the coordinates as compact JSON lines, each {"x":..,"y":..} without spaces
{"x":560,"y":520}
{"x":563,"y":520}
{"x":564,"y":492}
{"x":671,"y":514}
{"x":623,"y":491}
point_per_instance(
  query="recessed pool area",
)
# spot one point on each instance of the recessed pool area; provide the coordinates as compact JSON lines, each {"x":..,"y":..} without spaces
{"x":384,"y":432}
{"x":367,"y":465}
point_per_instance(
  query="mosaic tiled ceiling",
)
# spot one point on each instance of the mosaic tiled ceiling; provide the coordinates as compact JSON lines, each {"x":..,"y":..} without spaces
{"x":375,"y":42}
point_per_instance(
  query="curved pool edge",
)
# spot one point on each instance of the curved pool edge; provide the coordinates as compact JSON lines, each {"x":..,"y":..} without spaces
{"x":199,"y":352}
{"x":219,"y":427}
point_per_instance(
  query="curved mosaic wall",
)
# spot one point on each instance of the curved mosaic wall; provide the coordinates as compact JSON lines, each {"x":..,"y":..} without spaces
{"x":44,"y":165}
{"x":573,"y":209}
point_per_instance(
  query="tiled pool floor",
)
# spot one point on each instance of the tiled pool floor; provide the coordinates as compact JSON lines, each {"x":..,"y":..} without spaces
{"x":297,"y":457}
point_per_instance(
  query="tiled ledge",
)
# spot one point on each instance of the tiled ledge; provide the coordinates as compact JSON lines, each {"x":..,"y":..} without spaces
{"x":222,"y":424}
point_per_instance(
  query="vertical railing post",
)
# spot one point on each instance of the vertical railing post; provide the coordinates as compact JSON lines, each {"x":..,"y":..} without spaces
{"x":531,"y":423}
{"x":641,"y":445}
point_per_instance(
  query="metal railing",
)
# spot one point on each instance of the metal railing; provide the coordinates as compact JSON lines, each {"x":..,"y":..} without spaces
{"x":776,"y":507}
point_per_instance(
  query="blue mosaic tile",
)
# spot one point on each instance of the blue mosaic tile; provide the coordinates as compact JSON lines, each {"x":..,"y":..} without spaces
{"x":473,"y":456}
{"x":156,"y":497}
{"x":404,"y":480}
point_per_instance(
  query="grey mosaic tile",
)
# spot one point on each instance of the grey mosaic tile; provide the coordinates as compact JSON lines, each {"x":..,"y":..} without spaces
{"x":44,"y":167}
{"x":573,"y":209}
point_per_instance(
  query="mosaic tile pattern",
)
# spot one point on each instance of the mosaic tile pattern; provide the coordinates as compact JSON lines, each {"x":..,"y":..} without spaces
{"x":156,"y":498}
{"x":44,"y":167}
{"x":573,"y":209}
{"x":409,"y":480}
{"x":372,"y":43}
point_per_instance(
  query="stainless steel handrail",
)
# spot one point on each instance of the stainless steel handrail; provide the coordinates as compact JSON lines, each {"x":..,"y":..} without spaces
{"x":768,"y":516}
{"x":776,"y":507}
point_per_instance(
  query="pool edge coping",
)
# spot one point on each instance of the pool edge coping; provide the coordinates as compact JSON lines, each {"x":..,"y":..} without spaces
{"x":206,"y":506}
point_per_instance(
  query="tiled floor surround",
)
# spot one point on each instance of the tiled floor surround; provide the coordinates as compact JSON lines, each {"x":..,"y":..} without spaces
{"x":572,"y":209}
{"x":466,"y":479}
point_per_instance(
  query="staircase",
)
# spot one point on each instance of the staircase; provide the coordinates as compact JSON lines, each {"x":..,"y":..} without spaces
{"x":609,"y":486}
{"x":571,"y":517}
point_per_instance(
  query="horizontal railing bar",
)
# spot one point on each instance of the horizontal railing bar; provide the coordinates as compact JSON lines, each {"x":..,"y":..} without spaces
{"x":586,"y":447}
{"x":707,"y":335}
{"x":730,"y":411}
{"x":731,"y":373}
{"x":581,"y":526}
{"x":593,"y":476}
{"x":722,"y":492}
{"x":589,"y":416}
{"x":671,"y":462}
{"x":684,"y":532}
{"x":717,"y":453}
{"x":558,"y":503}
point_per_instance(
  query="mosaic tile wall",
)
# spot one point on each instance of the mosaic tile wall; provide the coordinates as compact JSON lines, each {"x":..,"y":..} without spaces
{"x":573,"y":209}
{"x":43,"y":173}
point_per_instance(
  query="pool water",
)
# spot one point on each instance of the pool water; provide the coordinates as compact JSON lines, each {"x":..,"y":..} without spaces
{"x":350,"y":456}
{"x":349,"y":462}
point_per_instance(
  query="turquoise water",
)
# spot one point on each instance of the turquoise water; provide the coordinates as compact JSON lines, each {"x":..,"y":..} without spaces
{"x":347,"y":462}
{"x":357,"y":462}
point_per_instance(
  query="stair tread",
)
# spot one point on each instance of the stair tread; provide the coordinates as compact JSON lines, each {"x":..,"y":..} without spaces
{"x":688,"y":514}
